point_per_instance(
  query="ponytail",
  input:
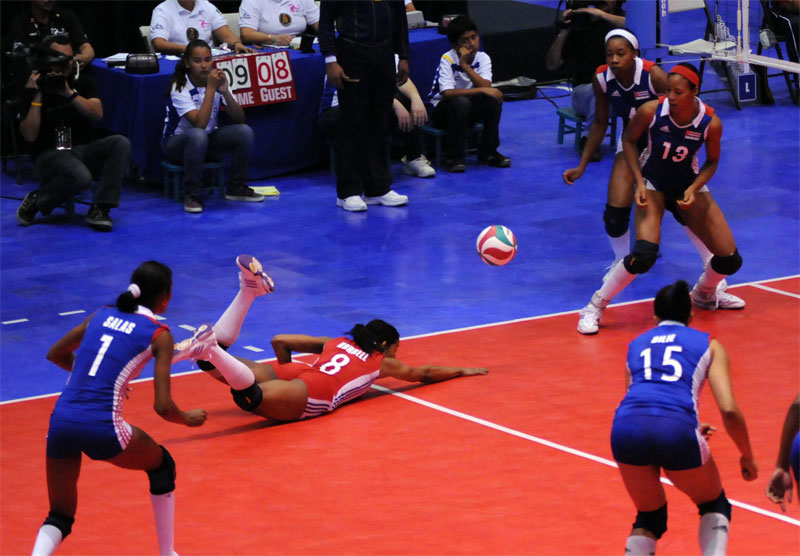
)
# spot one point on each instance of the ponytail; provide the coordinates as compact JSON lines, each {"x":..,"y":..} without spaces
{"x":674,"y":303}
{"x":376,"y":335}
{"x":149,"y":283}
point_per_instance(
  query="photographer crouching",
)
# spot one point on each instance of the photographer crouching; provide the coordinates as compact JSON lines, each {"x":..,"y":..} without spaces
{"x":56,"y":110}
{"x":580,"y":44}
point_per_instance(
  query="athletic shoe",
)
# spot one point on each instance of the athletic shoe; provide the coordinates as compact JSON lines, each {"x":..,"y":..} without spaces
{"x":98,"y":218}
{"x":419,"y":167}
{"x":353,"y":203}
{"x":390,"y":199}
{"x":719,"y":300}
{"x":243,"y":193}
{"x":495,"y":159}
{"x":192,"y":204}
{"x":252,"y":275}
{"x":196,"y":346}
{"x":455,"y":166}
{"x":28,"y":209}
{"x":591,"y":315}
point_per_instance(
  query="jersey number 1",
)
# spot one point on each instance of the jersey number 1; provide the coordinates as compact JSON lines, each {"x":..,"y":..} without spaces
{"x":105,"y":340}
{"x":667,"y":362}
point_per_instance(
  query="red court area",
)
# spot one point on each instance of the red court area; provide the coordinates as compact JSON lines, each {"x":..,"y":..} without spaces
{"x":386,"y":475}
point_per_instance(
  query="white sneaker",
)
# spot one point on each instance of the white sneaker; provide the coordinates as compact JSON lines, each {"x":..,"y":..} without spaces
{"x":354,"y":203}
{"x":721,"y":299}
{"x":589,"y":322}
{"x":419,"y":167}
{"x":252,"y":275}
{"x":196,"y":346}
{"x":390,"y":199}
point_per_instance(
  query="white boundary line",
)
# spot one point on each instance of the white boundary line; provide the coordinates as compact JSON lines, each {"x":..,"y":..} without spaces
{"x":560,"y":447}
{"x":774,"y":290}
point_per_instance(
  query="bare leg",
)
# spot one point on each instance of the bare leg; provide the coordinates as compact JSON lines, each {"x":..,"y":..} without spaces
{"x":283,"y":400}
{"x":645,"y":489}
{"x":62,"y":490}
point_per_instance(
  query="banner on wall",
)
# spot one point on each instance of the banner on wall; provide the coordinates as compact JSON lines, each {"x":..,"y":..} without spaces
{"x":257,"y":79}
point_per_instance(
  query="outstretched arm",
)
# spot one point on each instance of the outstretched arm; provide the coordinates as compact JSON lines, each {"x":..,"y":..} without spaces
{"x":285,"y":344}
{"x":391,"y":367}
{"x":164,"y":405}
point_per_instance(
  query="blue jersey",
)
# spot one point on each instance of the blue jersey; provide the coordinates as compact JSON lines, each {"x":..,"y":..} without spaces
{"x":670,"y":160}
{"x":668,"y":366}
{"x":624,"y":102}
{"x":114,"y":349}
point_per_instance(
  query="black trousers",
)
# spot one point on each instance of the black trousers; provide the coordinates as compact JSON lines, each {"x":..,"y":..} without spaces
{"x":458,"y":113}
{"x":362,"y":146}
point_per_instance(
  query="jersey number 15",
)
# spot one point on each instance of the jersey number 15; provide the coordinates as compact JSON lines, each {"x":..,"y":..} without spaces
{"x":668,"y":361}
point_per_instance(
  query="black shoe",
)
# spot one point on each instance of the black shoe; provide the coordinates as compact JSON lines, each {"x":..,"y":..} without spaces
{"x":596,"y":156}
{"x":243,"y":194}
{"x":495,"y":159}
{"x":28,"y":209}
{"x":192,"y":203}
{"x":455,"y":166}
{"x":99,"y":219}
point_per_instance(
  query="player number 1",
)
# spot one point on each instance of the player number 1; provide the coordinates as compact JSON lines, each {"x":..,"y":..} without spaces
{"x":105,"y":340}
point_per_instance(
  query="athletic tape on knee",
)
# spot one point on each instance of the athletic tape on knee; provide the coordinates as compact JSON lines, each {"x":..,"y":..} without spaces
{"x":655,"y":521}
{"x":719,"y":505}
{"x":617,"y":220}
{"x":727,"y":264}
{"x":162,"y":478}
{"x":61,"y":522}
{"x":248,"y":398}
{"x":642,"y":258}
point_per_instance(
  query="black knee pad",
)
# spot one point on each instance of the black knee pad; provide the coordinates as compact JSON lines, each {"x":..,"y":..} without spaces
{"x":617,"y":220}
{"x":162,"y":478}
{"x":719,"y":505}
{"x":61,"y":522}
{"x":248,"y":398}
{"x":655,"y":521}
{"x":206,"y":365}
{"x":643,"y":257}
{"x":727,"y":265}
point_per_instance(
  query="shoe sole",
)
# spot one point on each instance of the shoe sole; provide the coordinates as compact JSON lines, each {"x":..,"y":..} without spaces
{"x":371,"y":202}
{"x":198,"y":343}
{"x":340,"y":203}
{"x":413,"y":173}
{"x":244,"y":261}
{"x":245,"y":199}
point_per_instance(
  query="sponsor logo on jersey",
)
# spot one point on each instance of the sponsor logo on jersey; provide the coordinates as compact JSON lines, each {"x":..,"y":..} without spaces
{"x":693,"y":135}
{"x":664,"y":128}
{"x":615,"y":94}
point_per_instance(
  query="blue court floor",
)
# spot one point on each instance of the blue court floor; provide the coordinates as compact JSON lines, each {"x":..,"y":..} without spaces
{"x":414,"y":266}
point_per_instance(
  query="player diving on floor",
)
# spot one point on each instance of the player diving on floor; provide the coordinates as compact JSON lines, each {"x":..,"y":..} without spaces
{"x":292,"y":390}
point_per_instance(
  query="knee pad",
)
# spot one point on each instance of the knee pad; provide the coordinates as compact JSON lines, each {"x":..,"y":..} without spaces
{"x":162,"y":478}
{"x":249,"y":398}
{"x":61,"y":522}
{"x":655,"y":521}
{"x":616,"y":220}
{"x":643,"y":257}
{"x":719,"y":505}
{"x":727,"y":265}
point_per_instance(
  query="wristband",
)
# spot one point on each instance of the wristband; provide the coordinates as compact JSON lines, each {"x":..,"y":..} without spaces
{"x":39,"y":104}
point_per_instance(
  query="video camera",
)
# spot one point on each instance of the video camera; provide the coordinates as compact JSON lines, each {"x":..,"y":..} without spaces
{"x":578,"y":21}
{"x":51,"y":65}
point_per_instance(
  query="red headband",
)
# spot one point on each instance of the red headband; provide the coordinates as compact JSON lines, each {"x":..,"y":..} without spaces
{"x":687,"y":73}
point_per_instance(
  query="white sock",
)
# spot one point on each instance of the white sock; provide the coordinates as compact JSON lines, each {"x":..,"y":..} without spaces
{"x":640,"y":545}
{"x":237,"y":374}
{"x":164,"y":513}
{"x":230,"y":323}
{"x":617,"y":279}
{"x":47,"y":540}
{"x":705,"y":254}
{"x":713,"y":534}
{"x":707,"y":283}
{"x":620,"y":245}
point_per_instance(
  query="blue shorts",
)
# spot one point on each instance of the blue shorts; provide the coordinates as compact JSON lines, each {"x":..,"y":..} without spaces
{"x":97,"y":439}
{"x":794,"y":458}
{"x":672,"y":444}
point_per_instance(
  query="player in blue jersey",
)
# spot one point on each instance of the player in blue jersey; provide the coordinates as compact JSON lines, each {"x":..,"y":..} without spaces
{"x":669,"y":177}
{"x":656,"y":425}
{"x":780,"y":483}
{"x":103,"y":354}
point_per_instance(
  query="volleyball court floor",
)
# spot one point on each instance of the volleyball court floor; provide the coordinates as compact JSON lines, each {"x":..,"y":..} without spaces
{"x":462,"y":467}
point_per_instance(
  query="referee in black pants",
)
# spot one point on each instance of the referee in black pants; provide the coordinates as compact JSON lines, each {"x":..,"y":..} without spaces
{"x":360,"y":63}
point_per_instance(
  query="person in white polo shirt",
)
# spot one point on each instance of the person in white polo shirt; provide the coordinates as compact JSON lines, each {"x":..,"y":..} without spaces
{"x":276,"y":22}
{"x":172,"y":19}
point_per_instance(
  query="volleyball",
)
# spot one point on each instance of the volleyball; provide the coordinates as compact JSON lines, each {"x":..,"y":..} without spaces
{"x":497,"y":245}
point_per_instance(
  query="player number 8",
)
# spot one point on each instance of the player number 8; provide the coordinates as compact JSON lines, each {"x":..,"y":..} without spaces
{"x":335,"y":364}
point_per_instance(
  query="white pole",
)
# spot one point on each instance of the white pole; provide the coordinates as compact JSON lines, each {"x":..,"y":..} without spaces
{"x":744,"y":33}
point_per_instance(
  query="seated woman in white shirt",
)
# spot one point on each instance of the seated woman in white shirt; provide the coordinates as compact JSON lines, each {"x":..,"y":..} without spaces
{"x":276,"y":22}
{"x":172,"y":19}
